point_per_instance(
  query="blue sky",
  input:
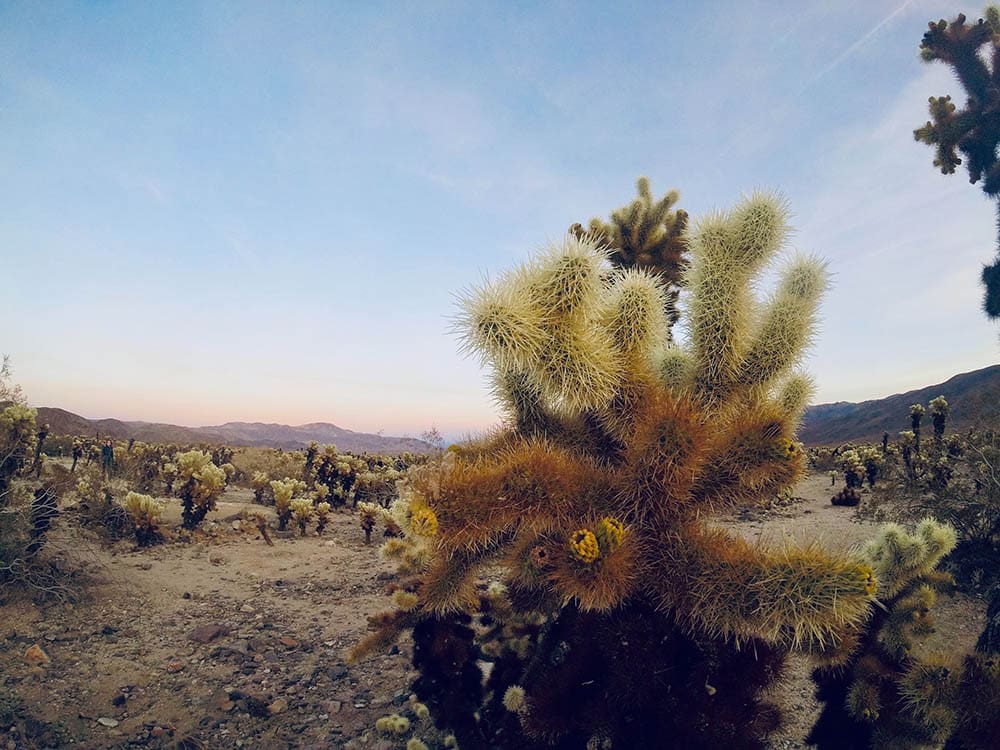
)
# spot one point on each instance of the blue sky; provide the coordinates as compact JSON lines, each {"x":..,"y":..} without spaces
{"x":237,"y":211}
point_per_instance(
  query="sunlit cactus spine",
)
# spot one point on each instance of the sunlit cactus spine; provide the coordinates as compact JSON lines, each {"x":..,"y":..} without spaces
{"x":322,"y":511}
{"x":593,"y":500}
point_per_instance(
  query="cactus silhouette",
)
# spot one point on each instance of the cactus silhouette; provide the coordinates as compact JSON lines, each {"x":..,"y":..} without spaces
{"x":973,"y":52}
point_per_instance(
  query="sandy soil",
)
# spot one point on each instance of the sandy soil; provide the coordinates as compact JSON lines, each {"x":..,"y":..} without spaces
{"x":125,"y":668}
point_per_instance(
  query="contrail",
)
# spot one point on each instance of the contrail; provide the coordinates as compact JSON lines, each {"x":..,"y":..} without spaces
{"x":858,"y":44}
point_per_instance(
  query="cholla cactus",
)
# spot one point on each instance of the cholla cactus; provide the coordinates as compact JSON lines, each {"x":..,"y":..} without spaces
{"x":916,"y":415}
{"x":939,"y":416}
{"x":853,"y":467}
{"x":260,"y":483}
{"x":201,"y":484}
{"x":973,"y":52}
{"x":17,"y":442}
{"x":618,"y":437}
{"x":890,"y":694}
{"x":322,"y":511}
{"x":649,"y":236}
{"x":284,"y":490}
{"x":302,"y":511}
{"x":145,"y":512}
{"x":168,"y":473}
{"x":371,"y":513}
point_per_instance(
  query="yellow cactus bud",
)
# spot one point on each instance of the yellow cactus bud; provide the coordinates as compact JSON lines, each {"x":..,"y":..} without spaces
{"x":610,"y":533}
{"x":424,"y":522}
{"x":584,"y":545}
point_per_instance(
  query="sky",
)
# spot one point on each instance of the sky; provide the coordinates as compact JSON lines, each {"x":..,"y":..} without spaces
{"x":238,"y":211}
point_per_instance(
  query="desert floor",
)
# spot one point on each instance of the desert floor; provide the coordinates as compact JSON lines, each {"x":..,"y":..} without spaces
{"x":227,"y":642}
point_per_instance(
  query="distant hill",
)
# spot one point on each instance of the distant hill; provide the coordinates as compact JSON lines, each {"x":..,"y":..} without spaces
{"x":974,"y":398}
{"x":62,"y":422}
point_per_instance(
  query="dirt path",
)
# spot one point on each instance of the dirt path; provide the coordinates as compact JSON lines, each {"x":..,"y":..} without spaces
{"x":229,"y":643}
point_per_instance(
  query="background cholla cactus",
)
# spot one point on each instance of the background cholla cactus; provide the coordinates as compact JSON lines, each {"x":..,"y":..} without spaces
{"x":593,"y":501}
{"x":284,"y":490}
{"x":168,"y":473}
{"x":145,"y":512}
{"x":17,"y":442}
{"x":893,"y":693}
{"x":302,"y":511}
{"x":201,"y":484}
{"x":973,"y":52}
{"x":646,"y":235}
{"x":917,"y":412}
{"x":322,"y":511}
{"x":260,"y":483}
{"x":939,"y":416}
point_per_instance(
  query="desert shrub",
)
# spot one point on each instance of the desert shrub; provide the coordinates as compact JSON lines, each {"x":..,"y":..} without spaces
{"x":96,"y":507}
{"x":624,"y":619}
{"x":201,"y":484}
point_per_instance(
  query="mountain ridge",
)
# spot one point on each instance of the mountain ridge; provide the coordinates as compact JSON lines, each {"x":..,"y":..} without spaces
{"x":974,"y":398}
{"x":249,"y":434}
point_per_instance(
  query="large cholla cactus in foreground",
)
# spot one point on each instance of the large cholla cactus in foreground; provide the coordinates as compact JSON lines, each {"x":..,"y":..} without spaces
{"x":594,"y":504}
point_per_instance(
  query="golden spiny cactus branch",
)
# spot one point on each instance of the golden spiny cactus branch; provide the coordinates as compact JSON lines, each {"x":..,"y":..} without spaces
{"x":620,"y":442}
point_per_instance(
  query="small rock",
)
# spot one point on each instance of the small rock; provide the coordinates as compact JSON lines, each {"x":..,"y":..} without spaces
{"x":174,"y":667}
{"x":207,"y":633}
{"x":104,"y":721}
{"x":186,"y":595}
{"x":118,"y":700}
{"x":247,"y":608}
{"x":278,"y":707}
{"x":256,"y":707}
{"x":334,"y":707}
{"x":36,"y":656}
{"x":289,"y":642}
{"x":237,"y":526}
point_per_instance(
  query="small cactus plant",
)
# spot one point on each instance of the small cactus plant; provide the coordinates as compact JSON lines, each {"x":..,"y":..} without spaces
{"x":145,"y":512}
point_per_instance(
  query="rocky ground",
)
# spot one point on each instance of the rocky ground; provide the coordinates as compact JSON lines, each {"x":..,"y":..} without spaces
{"x":225,"y":642}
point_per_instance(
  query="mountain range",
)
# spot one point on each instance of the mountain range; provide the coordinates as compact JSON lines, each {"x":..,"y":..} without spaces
{"x":62,"y":422}
{"x":973,"y":398}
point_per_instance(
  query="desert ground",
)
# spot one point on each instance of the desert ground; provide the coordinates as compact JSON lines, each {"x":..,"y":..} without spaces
{"x":226,"y":642}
